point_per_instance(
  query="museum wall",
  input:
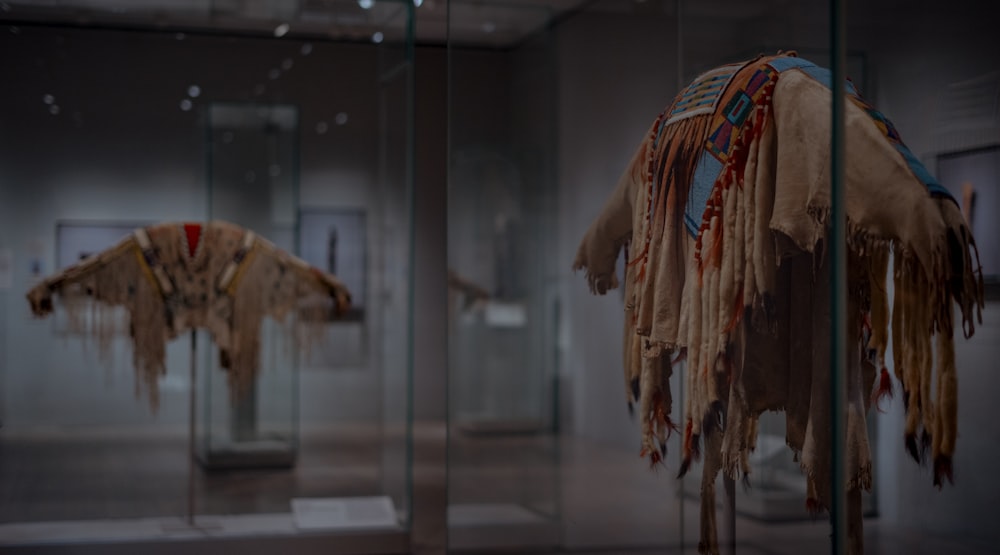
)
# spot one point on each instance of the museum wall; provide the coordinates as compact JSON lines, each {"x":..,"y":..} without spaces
{"x":534,"y":126}
{"x":122,"y":149}
{"x":500,"y":208}
{"x":479,"y":143}
{"x":430,"y":212}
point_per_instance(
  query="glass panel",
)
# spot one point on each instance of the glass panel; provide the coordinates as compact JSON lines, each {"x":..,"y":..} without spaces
{"x":503,"y":308}
{"x":286,"y":122}
{"x":253,"y":182}
{"x":393,"y":206}
{"x":610,"y":93}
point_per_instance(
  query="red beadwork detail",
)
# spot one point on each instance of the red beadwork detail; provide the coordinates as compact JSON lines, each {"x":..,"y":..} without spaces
{"x":193,"y":233}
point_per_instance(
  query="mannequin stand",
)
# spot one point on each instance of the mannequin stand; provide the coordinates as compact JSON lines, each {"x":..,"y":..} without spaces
{"x":191,"y":428}
{"x":189,"y":520}
{"x":728,"y":541}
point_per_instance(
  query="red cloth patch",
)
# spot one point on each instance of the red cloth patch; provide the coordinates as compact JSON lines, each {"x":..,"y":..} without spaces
{"x":193,"y":232}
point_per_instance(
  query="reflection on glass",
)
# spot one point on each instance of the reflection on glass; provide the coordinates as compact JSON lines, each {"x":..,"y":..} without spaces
{"x":503,"y":486}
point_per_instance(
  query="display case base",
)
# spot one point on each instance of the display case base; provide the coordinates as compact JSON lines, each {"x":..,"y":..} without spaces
{"x":494,"y":526}
{"x":248,"y":455}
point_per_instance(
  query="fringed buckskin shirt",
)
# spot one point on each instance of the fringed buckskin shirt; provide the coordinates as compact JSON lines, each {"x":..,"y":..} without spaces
{"x":177,"y":276}
{"x":723,"y":213}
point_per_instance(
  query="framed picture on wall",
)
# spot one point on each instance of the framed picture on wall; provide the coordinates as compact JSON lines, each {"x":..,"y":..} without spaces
{"x":973,"y":178}
{"x":335,"y":240}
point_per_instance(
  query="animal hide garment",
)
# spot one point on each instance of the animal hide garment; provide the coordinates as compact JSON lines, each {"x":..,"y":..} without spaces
{"x":724,"y":210}
{"x":173,"y":277}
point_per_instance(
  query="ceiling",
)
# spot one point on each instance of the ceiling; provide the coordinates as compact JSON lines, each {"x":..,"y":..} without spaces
{"x":478,"y":23}
{"x":496,"y":23}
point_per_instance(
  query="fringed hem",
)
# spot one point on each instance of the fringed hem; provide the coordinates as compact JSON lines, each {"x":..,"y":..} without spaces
{"x":926,"y":292}
{"x":860,"y":479}
{"x":600,"y":284}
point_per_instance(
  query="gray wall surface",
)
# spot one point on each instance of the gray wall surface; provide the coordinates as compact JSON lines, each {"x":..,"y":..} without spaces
{"x":502,"y":231}
{"x":430,"y":329}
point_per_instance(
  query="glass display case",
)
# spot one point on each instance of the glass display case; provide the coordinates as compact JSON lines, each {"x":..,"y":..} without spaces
{"x":129,"y":117}
{"x":615,"y":65}
{"x":503,"y":488}
{"x":253,"y":182}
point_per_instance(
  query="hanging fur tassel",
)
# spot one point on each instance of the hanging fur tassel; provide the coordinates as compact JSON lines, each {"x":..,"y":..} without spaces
{"x":884,"y":389}
{"x":943,"y":470}
{"x":690,"y":449}
{"x":813,"y":506}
